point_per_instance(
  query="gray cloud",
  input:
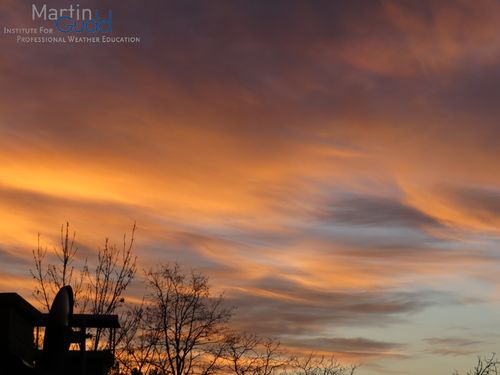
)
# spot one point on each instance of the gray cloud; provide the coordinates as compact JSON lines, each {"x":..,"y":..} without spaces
{"x":352,"y":346}
{"x":453,"y":346}
{"x":10,"y":258}
{"x":376,"y":211}
{"x":285,"y":307}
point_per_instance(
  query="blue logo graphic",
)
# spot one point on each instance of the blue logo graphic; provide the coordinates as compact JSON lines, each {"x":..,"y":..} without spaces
{"x":95,"y":25}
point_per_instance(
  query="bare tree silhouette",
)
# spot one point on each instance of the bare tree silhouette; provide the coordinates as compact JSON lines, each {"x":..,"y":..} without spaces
{"x":249,"y":354}
{"x":484,"y":366}
{"x":320,"y":365}
{"x":184,"y":323}
{"x":98,"y":288}
{"x":180,"y":328}
{"x":52,"y":277}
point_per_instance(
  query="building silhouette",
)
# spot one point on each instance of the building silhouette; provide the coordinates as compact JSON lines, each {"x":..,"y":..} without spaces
{"x":57,"y":343}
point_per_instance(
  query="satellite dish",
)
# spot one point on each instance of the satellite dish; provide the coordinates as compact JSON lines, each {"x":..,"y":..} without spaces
{"x":57,"y":332}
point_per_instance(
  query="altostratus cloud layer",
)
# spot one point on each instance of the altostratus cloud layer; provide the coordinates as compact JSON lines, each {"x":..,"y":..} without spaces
{"x":332,"y":165}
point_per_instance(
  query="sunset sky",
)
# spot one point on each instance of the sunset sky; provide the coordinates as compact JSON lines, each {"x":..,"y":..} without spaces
{"x":333,"y":166}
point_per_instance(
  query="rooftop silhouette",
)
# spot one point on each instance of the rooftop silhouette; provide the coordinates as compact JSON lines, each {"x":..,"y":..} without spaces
{"x":65,"y":348}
